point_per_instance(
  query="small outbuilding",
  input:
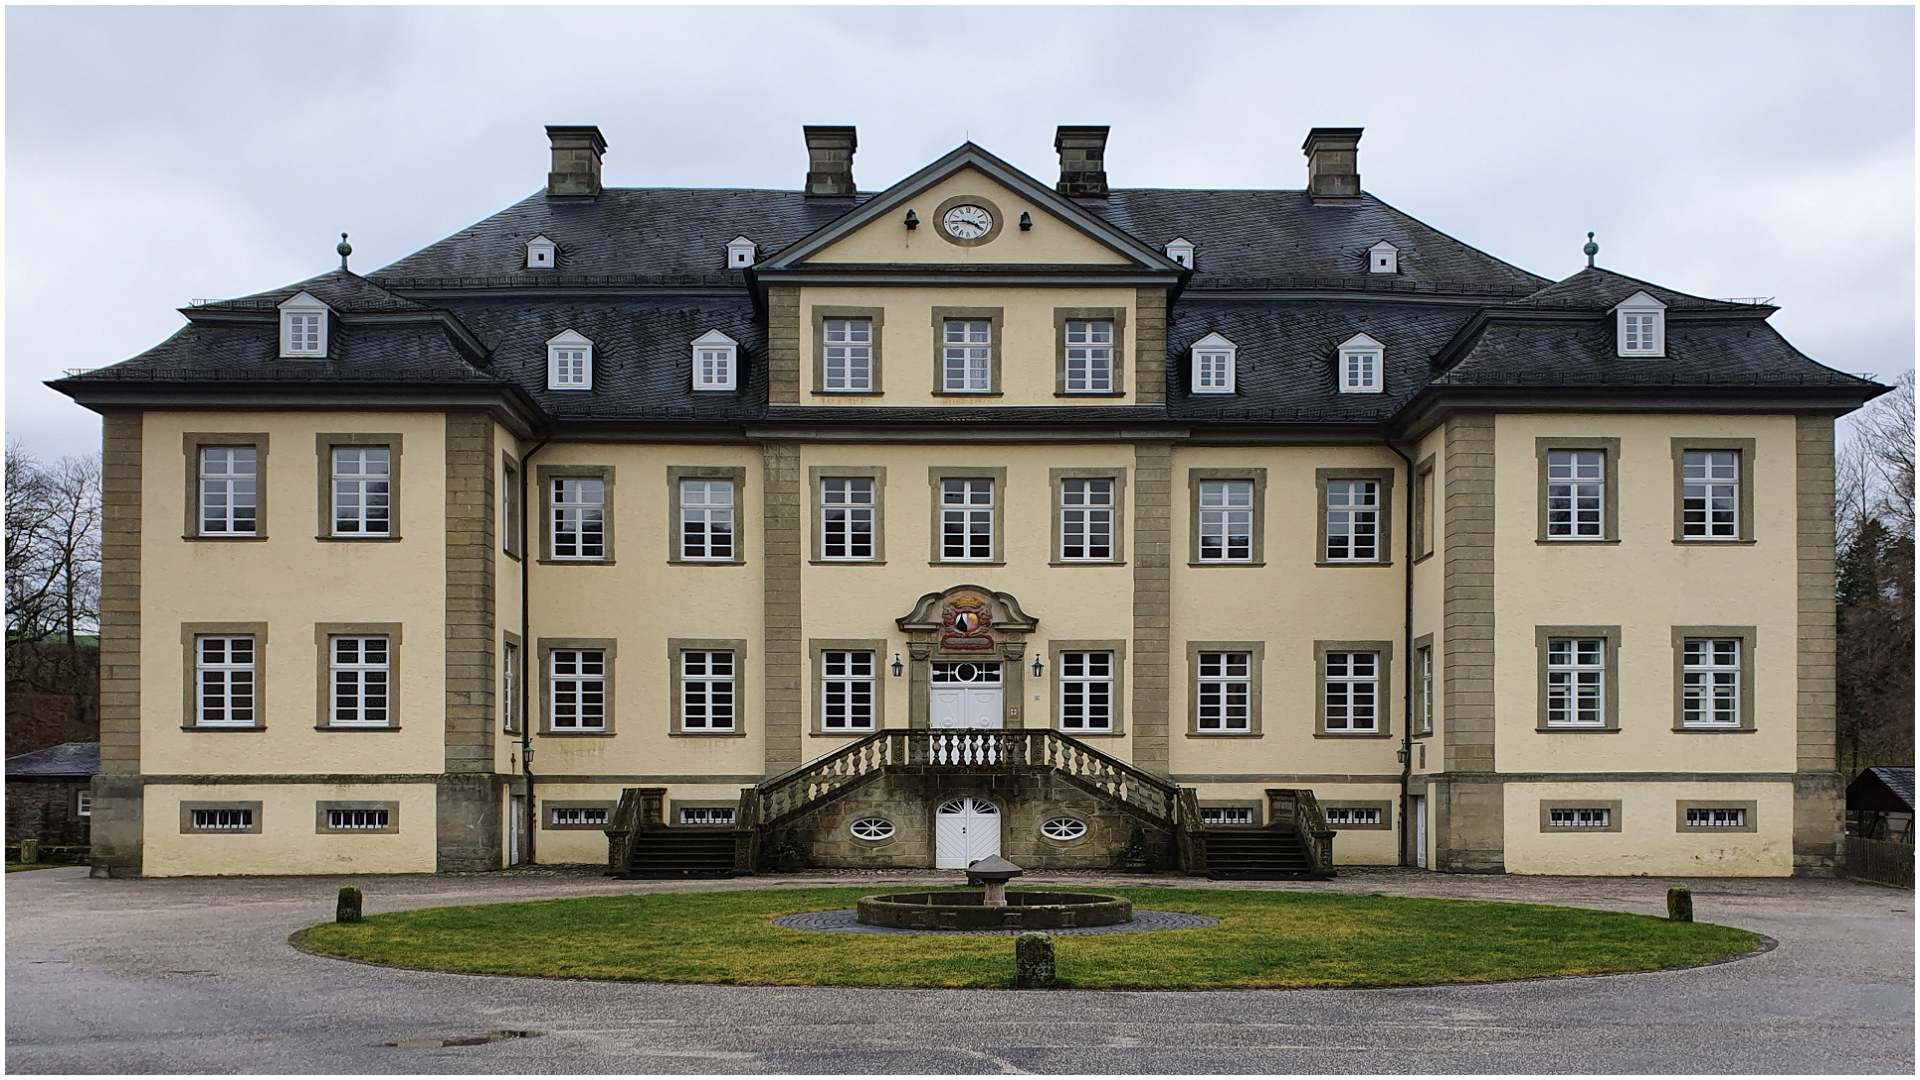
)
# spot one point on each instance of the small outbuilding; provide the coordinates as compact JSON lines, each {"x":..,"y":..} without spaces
{"x":1880,"y":800}
{"x":50,"y":794}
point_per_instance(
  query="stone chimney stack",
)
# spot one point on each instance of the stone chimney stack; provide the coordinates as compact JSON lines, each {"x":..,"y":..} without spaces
{"x":830,"y":161}
{"x":1083,"y":161}
{"x":1333,"y":163}
{"x":576,"y":160}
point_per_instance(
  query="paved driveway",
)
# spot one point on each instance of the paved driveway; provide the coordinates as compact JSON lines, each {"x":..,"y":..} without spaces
{"x":196,"y":976}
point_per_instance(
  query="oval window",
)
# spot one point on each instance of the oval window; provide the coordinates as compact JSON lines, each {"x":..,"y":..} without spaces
{"x":872,"y":828}
{"x":1063,"y":828}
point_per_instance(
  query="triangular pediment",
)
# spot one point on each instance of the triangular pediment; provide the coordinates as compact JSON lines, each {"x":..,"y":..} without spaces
{"x":991,"y":200}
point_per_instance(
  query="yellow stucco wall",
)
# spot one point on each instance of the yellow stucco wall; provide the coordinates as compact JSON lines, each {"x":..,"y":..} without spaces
{"x":1051,"y":240}
{"x":1649,"y":841}
{"x":287,"y":842}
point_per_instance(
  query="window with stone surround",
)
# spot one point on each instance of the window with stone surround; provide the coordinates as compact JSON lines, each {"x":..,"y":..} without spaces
{"x":706,"y":521}
{"x":1086,"y":520}
{"x":229,"y":486}
{"x":847,"y":519}
{"x":1086,"y":690}
{"x":966,"y":520}
{"x":579,"y":519}
{"x":847,"y":690}
{"x":579,"y":690}
{"x":358,"y":672}
{"x":707,"y":700}
{"x":1223,"y":692}
{"x":224,"y":677}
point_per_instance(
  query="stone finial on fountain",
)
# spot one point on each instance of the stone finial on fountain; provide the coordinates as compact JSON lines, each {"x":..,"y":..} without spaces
{"x":993,"y":873}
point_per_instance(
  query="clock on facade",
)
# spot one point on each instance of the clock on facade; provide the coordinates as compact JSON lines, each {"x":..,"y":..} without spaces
{"x":967,"y":222}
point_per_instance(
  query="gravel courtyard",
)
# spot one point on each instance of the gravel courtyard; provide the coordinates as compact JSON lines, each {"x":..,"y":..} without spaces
{"x":195,"y":975}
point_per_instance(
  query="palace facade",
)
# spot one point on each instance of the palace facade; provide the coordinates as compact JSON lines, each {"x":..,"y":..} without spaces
{"x":716,"y":530}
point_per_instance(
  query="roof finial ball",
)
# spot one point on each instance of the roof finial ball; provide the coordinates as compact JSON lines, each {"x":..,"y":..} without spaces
{"x":345,"y":249}
{"x":1591,"y":249}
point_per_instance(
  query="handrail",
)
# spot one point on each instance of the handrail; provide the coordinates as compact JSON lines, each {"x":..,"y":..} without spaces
{"x":1296,"y":810}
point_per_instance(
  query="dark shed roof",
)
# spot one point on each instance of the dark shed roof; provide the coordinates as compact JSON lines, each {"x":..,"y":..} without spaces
{"x":1886,"y":788}
{"x":74,"y":759}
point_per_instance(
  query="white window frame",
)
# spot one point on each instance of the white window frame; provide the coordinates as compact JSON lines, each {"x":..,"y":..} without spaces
{"x":1180,"y":250}
{"x":1086,"y":519}
{"x":1086,"y":690}
{"x":83,"y":804}
{"x":230,"y":485}
{"x":542,"y":254}
{"x":1063,"y":829}
{"x":583,"y":816}
{"x":569,"y":362}
{"x":578,"y":689}
{"x":359,"y":492}
{"x":1576,"y":495}
{"x":846,"y":674}
{"x":509,"y":687}
{"x":1710,"y":495}
{"x":1350,"y":685}
{"x":1089,"y":357}
{"x":846,"y":361}
{"x":1710,"y":682}
{"x":233,"y":681}
{"x":716,"y":362}
{"x":305,"y":324}
{"x":578,"y":509}
{"x":365,"y":677}
{"x":1226,"y":521}
{"x":846,"y":518}
{"x":707,"y":532}
{"x":1640,"y":326}
{"x":1425,"y":659}
{"x":1383,"y":258}
{"x":872,"y":829}
{"x":966,"y":351}
{"x":708,"y":701}
{"x":1353,"y":527}
{"x":967,"y":507}
{"x":1361,"y":366}
{"x":1576,"y":685}
{"x":1225,"y":693}
{"x":1580,"y":817}
{"x":740,"y":253}
{"x":1215,"y":365}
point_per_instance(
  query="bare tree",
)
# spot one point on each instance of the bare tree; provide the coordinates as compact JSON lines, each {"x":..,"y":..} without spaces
{"x":53,"y":546}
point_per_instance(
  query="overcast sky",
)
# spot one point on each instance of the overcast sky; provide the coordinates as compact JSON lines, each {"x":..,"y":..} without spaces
{"x":155,"y":155}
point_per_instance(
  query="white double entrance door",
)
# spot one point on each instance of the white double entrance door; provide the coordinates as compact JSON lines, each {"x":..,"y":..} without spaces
{"x":965,"y":830}
{"x":965,"y":694}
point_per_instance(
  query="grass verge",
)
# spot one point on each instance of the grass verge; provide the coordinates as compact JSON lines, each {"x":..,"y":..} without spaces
{"x":43,"y":864}
{"x":1265,"y":939}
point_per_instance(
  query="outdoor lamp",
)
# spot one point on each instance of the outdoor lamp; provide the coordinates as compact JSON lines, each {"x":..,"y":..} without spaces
{"x":896,"y":665}
{"x":1401,"y":754}
{"x":913,"y":220}
{"x":526,"y":756}
{"x":1026,"y":221}
{"x":1036,"y":667}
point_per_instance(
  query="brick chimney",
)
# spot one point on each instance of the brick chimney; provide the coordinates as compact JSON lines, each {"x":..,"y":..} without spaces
{"x":830,"y":161}
{"x":1333,"y":163}
{"x":1083,"y":161}
{"x":576,"y":160}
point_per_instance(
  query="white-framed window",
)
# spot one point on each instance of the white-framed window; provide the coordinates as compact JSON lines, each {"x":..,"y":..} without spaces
{"x":509,"y":687}
{"x":871,"y":828}
{"x":707,"y":815}
{"x":362,"y":491}
{"x":1710,"y":494}
{"x":1226,"y":521}
{"x":1383,"y":258}
{"x":1086,"y":520}
{"x":740,"y":253}
{"x":83,"y":804}
{"x":224,"y":666}
{"x":229,"y":492}
{"x":1089,"y":357}
{"x":847,"y":360}
{"x":1353,"y":521}
{"x":966,"y":520}
{"x":846,"y":690}
{"x":1224,"y":702}
{"x":1641,"y":326}
{"x":580,"y":815}
{"x":1086,"y":691}
{"x":706,"y":520}
{"x":846,"y":518}
{"x":357,"y":819}
{"x":579,"y":681}
{"x":1352,"y":693}
{"x":1226,"y":815}
{"x":706,"y":690}
{"x":1362,"y":363}
{"x":541,"y":254}
{"x":715,"y":361}
{"x":1180,"y":250}
{"x":358,"y":667}
{"x":967,"y":356}
{"x":1710,"y":682}
{"x":579,"y":518}
{"x":303,"y":328}
{"x":1580,"y":817}
{"x":1213,"y":365}
{"x":569,"y":362}
{"x":1716,"y":817}
{"x":1576,"y":494}
{"x":1423,"y":660}
{"x":1576,"y":682}
{"x":1352,"y":815}
{"x":1063,"y":828}
{"x":236,"y":820}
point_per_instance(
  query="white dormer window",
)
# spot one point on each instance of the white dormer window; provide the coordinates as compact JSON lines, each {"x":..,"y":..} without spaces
{"x":1361,"y":362}
{"x":303,"y":327}
{"x":540,"y":254}
{"x":569,"y":362}
{"x":1383,"y":258}
{"x":1642,"y":326}
{"x":1213,"y":365}
{"x":715,"y":360}
{"x":1180,"y":250}
{"x":740,"y":253}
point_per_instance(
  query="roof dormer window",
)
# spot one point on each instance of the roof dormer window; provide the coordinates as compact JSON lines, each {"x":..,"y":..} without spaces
{"x":1362,"y":361}
{"x":1642,"y":326}
{"x":569,"y":362}
{"x":1383,"y":258}
{"x":1213,"y":365}
{"x":740,"y":253}
{"x":715,"y":361}
{"x":303,"y":328}
{"x":1180,"y":250}
{"x":540,"y":254}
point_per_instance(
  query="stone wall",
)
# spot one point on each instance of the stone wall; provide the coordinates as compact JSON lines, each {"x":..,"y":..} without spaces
{"x":44,"y":810}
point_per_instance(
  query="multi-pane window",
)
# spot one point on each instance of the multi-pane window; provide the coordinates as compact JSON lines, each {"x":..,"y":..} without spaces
{"x":357,"y":819}
{"x":1086,"y":520}
{"x":579,"y":682}
{"x":1575,"y":494}
{"x":510,"y":687}
{"x":224,"y":673}
{"x":362,"y":491}
{"x":1423,"y":660}
{"x":1352,"y":815}
{"x":1710,"y":682}
{"x":1639,"y":332}
{"x":846,"y":518}
{"x":83,"y":804}
{"x":303,"y":332}
{"x":846,"y":690}
{"x":966,"y":519}
{"x":1063,"y":828}
{"x":966,"y":353}
{"x":568,"y":368}
{"x":236,"y":820}
{"x":706,"y":815}
{"x":1576,"y":682}
{"x":848,"y":360}
{"x":1212,"y":372}
{"x":1353,"y":521}
{"x":713,"y":366}
{"x":228,"y":491}
{"x":1225,"y":685}
{"x":1226,"y":815}
{"x":360,"y":666}
{"x":580,"y":815}
{"x":1226,"y":521}
{"x":1089,"y":357}
{"x":706,"y":519}
{"x":579,"y":519}
{"x":706,"y":690}
{"x":1352,"y":689}
{"x":1716,"y":817}
{"x":1580,"y":817}
{"x":1710,"y":495}
{"x":1086,"y":691}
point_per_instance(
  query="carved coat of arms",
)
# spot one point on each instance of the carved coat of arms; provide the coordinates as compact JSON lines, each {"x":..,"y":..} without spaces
{"x":967,"y":623}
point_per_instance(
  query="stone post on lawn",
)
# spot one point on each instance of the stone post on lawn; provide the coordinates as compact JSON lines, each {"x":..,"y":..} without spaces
{"x":29,"y":851}
{"x":348,"y":910}
{"x":1033,"y":961}
{"x":1680,"y":904}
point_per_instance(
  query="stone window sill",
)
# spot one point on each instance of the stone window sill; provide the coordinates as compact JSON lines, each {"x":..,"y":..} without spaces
{"x":223,"y":727}
{"x":358,"y":540}
{"x":356,"y":727}
{"x":1569,"y":729}
{"x":1228,"y":562}
{"x":707,"y":734}
{"x":224,"y":539}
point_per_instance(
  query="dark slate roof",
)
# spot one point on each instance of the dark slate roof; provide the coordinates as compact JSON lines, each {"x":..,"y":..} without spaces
{"x":1895,"y":779}
{"x":1700,"y":352}
{"x":340,"y":290}
{"x":67,"y":759}
{"x":411,"y":352}
{"x":1597,"y":289}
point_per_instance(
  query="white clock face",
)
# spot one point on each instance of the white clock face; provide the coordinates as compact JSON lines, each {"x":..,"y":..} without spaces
{"x":967,"y":222}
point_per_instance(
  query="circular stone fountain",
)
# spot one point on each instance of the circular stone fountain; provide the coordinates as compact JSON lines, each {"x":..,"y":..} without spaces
{"x":993,"y":907}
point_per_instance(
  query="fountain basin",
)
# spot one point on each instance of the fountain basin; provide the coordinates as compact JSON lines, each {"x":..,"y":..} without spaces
{"x":969,"y":911}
